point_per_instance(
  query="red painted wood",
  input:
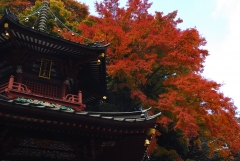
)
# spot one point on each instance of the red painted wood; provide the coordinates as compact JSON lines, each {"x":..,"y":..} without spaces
{"x":64,"y":89}
{"x":79,"y":96}
{"x":10,"y":83}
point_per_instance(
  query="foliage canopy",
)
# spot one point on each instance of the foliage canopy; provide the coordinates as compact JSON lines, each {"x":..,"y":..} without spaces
{"x":154,"y":63}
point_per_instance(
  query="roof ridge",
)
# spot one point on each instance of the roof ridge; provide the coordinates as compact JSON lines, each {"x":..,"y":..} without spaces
{"x":9,"y":13}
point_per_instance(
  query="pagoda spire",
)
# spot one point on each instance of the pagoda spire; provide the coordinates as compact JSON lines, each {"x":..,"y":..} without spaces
{"x":43,"y":17}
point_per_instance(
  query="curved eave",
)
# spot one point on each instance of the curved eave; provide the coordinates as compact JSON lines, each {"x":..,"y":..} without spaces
{"x":31,"y":110}
{"x":30,"y":37}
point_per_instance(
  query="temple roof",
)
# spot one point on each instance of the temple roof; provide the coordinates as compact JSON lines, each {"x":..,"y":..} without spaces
{"x":15,"y":107}
{"x":122,"y":133}
{"x":45,"y":43}
{"x":31,"y":44}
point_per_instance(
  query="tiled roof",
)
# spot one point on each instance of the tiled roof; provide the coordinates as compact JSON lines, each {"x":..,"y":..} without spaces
{"x":46,"y":43}
{"x":114,"y":117}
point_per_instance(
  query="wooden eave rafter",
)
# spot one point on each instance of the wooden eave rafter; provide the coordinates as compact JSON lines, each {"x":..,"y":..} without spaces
{"x":38,"y":42}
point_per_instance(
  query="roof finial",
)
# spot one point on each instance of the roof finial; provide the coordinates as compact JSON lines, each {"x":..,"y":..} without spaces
{"x":43,"y":16}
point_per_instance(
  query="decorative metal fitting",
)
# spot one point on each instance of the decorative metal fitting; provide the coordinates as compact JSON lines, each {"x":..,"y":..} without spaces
{"x":99,"y":62}
{"x":101,"y":55}
{"x":151,"y":131}
{"x":6,"y":36}
{"x":6,"y":25}
{"x":104,"y":97}
{"x":147,"y":142}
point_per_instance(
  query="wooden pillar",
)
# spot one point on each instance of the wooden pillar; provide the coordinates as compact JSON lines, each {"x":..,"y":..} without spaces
{"x":10,"y":83}
{"x":64,"y":88}
{"x":72,"y":98}
{"x":79,"y":96}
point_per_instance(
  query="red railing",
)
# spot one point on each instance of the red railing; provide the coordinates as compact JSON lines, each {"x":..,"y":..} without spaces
{"x":20,"y":87}
{"x":3,"y":87}
{"x":16,"y":86}
{"x":73,"y":98}
{"x":14,"y":89}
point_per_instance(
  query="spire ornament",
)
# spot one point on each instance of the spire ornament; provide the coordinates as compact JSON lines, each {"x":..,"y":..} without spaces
{"x":43,"y":17}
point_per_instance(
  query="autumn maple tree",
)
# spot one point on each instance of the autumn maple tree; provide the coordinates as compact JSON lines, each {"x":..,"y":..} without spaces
{"x":17,"y":6}
{"x":62,"y":16}
{"x":153,"y":63}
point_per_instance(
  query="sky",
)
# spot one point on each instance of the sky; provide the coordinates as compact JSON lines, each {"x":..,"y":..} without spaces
{"x":218,"y":22}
